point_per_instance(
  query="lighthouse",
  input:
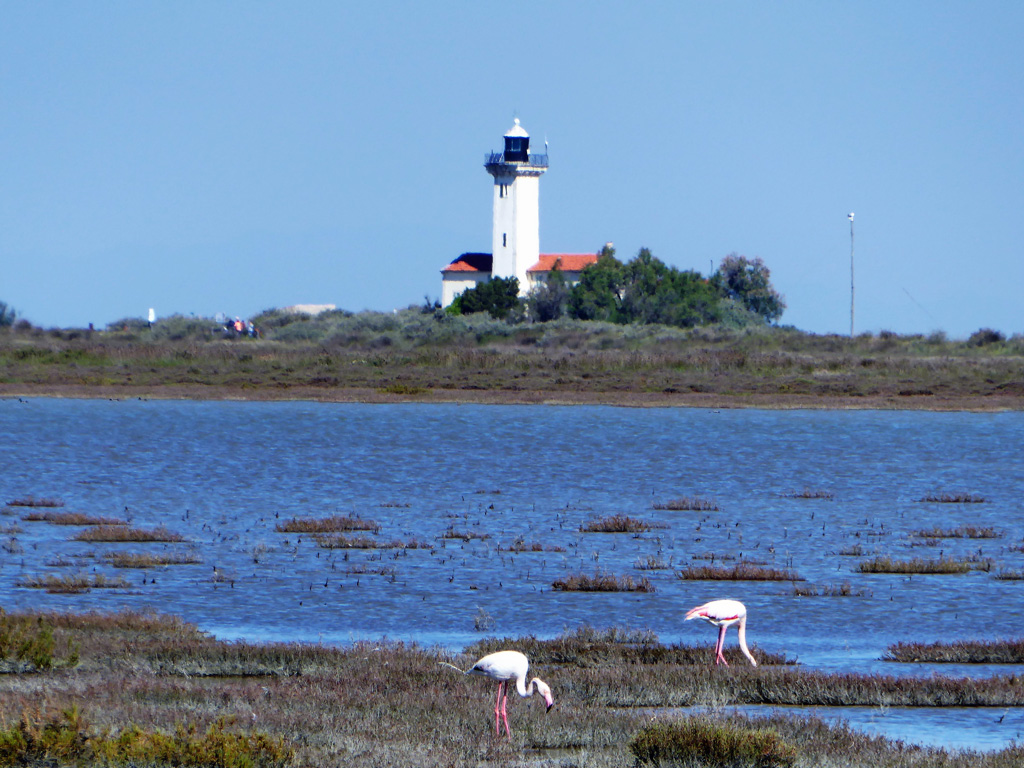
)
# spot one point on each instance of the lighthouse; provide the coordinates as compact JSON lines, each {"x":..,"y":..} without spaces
{"x":515,"y":236}
{"x":515,"y":233}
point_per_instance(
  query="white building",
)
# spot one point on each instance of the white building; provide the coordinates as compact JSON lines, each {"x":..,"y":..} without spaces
{"x":515,"y":234}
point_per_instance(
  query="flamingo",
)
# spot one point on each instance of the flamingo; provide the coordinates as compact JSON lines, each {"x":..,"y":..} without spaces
{"x":723,"y":614}
{"x":505,"y":666}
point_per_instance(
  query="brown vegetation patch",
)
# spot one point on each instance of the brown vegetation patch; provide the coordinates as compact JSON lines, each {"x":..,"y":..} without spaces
{"x":952,"y":498}
{"x":960,"y":532}
{"x":962,"y":652}
{"x":810,"y":493}
{"x":145,"y":560}
{"x":830,"y":590}
{"x":326,"y":525}
{"x":32,"y":501}
{"x":601,"y":582}
{"x":117,"y":533}
{"x":452,"y":533}
{"x":617,"y":524}
{"x":739,"y":572}
{"x":73,"y":584}
{"x":944,"y":565}
{"x":686,"y":504}
{"x":71,"y":518}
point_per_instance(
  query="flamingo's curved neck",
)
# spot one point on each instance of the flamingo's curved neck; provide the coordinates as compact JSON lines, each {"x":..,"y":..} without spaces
{"x":741,"y":631}
{"x":524,"y":689}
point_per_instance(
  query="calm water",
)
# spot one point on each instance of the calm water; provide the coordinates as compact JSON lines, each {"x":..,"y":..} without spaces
{"x":223,"y":474}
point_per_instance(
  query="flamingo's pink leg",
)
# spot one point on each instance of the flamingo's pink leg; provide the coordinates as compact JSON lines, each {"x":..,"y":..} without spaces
{"x":497,"y":710}
{"x":504,"y":711}
{"x":719,"y":657}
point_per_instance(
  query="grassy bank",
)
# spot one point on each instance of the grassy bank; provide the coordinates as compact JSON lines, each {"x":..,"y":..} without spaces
{"x":127,"y":688}
{"x":430,"y":356}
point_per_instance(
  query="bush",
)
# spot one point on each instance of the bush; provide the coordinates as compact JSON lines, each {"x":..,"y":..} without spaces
{"x":985,"y":336}
{"x":700,"y":743}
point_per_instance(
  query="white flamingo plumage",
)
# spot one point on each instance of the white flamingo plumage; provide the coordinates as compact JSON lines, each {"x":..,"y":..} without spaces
{"x":505,"y":666}
{"x":723,"y":614}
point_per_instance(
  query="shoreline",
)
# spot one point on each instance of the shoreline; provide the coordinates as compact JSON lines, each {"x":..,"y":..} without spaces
{"x":623,"y":399}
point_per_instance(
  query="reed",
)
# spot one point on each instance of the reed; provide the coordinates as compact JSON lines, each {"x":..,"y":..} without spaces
{"x":601,"y":582}
{"x":452,"y":533}
{"x":944,"y":565}
{"x":960,"y":532}
{"x":519,"y":545}
{"x":122,"y":533}
{"x":952,"y":498}
{"x":146,"y":560}
{"x":830,"y":590}
{"x":331,"y":524}
{"x":707,"y":741}
{"x":72,"y":584}
{"x":341,"y":541}
{"x":66,"y":739}
{"x":739,"y":572}
{"x":687,"y":504}
{"x":332,"y":705}
{"x":810,"y":493}
{"x":1008,"y":575}
{"x":587,"y":646}
{"x":616,"y":524}
{"x":33,"y":501}
{"x":71,"y":518}
{"x":962,"y":652}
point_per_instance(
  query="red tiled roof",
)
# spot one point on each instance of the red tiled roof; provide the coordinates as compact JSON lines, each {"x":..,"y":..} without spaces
{"x":567,"y":262}
{"x":471,"y":262}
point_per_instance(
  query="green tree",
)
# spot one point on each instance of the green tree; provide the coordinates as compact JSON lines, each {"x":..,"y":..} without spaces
{"x":598,"y":294}
{"x":748,"y":281}
{"x":548,"y":300}
{"x":7,"y":315}
{"x":644,"y":290}
{"x":498,"y":297}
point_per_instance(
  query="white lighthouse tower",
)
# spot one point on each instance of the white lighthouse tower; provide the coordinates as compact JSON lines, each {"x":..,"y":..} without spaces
{"x":515,"y":238}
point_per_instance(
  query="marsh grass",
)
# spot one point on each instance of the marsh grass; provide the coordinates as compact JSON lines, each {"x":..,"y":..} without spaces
{"x":739,"y":572}
{"x":944,"y":565}
{"x":452,"y":533}
{"x":72,"y":584}
{"x":854,"y":550}
{"x":71,"y":518}
{"x":1008,"y":575}
{"x":341,"y":541}
{"x":331,"y":524}
{"x":962,"y":652}
{"x":122,"y":533}
{"x":830,"y":590}
{"x":146,"y":560}
{"x":952,"y":498}
{"x":33,"y":501}
{"x":588,"y":646}
{"x":652,"y":563}
{"x":371,"y":703}
{"x":66,"y":739}
{"x":601,"y":582}
{"x":705,"y":741}
{"x":521,"y":545}
{"x":616,"y":524}
{"x":960,"y":532}
{"x":688,"y":504}
{"x":810,"y":493}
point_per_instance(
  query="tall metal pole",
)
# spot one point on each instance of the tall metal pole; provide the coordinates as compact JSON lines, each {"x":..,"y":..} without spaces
{"x":850,"y":217}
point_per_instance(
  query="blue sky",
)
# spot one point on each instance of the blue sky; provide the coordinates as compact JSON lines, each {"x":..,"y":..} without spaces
{"x":204,"y":157}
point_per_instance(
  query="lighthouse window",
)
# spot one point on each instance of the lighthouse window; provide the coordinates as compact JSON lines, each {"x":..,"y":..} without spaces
{"x":503,"y":239}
